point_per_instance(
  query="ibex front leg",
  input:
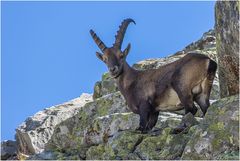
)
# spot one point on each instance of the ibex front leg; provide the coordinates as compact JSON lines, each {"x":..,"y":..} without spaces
{"x":153,"y":118}
{"x":144,"y":112}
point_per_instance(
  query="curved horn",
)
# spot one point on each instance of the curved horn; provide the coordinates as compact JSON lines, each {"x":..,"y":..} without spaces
{"x":121,"y":32}
{"x":98,"y":41}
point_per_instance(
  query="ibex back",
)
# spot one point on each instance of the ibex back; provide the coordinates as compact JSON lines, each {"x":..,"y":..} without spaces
{"x":171,"y":87}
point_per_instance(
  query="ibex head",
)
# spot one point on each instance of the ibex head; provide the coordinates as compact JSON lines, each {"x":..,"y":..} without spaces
{"x":114,"y":57}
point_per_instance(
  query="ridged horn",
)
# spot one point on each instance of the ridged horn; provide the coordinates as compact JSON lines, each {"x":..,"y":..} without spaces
{"x":98,"y":41}
{"x":121,"y":32}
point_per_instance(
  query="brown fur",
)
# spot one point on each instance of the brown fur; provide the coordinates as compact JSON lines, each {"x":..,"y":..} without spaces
{"x":171,"y":87}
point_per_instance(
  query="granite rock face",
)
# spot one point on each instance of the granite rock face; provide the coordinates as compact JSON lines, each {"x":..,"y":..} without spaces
{"x":8,"y":150}
{"x":227,"y":34}
{"x":37,"y":130}
{"x":106,"y":86}
{"x":217,"y":136}
{"x":113,"y":136}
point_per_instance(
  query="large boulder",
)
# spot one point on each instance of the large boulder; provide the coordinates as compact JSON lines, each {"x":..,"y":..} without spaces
{"x":73,"y":131}
{"x":106,"y":86}
{"x":125,"y":143}
{"x":33,"y":134}
{"x":217,"y":136}
{"x":227,"y":34}
{"x":164,"y":146}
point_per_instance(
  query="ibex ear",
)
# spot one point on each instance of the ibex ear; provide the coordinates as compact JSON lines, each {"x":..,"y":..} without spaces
{"x":99,"y":55}
{"x":126,"y":51}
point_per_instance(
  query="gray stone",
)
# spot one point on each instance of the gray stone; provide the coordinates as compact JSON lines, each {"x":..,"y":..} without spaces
{"x":217,"y":135}
{"x":8,"y":149}
{"x":106,"y":86}
{"x":71,"y":132}
{"x":33,"y":134}
{"x":227,"y":34}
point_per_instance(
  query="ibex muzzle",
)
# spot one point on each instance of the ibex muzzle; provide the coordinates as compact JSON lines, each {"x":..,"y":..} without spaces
{"x":172,"y":87}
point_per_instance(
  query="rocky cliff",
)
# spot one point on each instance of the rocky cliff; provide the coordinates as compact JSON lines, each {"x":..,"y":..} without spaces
{"x":100,"y":126}
{"x":227,"y":34}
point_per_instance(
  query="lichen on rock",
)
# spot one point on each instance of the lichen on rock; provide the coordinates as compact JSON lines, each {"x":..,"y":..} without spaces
{"x":227,"y":35}
{"x":218,"y":132}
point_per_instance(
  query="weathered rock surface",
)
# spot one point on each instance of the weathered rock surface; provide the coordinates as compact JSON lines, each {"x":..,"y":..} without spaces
{"x":227,"y":34}
{"x":106,"y":86}
{"x":36,"y":131}
{"x":73,"y":132}
{"x":8,"y":149}
{"x":217,"y":136}
{"x":123,"y":144}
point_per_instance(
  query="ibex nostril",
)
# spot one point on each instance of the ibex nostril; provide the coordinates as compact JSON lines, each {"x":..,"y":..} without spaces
{"x":112,"y":69}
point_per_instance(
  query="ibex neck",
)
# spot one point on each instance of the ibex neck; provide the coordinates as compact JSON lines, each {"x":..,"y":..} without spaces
{"x":127,"y":77}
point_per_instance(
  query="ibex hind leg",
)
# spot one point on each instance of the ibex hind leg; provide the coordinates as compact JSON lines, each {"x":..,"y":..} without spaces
{"x":186,"y":98}
{"x":202,"y":99}
{"x":189,"y":105}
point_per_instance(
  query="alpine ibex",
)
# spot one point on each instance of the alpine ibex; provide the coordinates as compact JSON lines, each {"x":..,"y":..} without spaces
{"x":172,"y":87}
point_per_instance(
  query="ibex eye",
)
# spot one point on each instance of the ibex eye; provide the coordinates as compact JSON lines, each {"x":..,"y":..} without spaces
{"x":105,"y":60}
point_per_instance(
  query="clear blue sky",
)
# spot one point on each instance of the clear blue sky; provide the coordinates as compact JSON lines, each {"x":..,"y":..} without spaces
{"x":48,"y":56}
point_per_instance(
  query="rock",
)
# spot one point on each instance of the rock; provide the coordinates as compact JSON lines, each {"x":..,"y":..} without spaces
{"x":45,"y":155}
{"x":217,"y":135}
{"x":106,"y":86}
{"x":155,"y":63}
{"x":99,"y":137}
{"x":150,"y":147}
{"x":71,"y":132}
{"x":8,"y":149}
{"x":206,"y":43}
{"x":105,"y":127}
{"x":121,"y":146}
{"x":56,"y":155}
{"x":95,"y":152}
{"x":124,"y":143}
{"x":227,"y":33}
{"x":187,"y":121}
{"x":33,"y":134}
